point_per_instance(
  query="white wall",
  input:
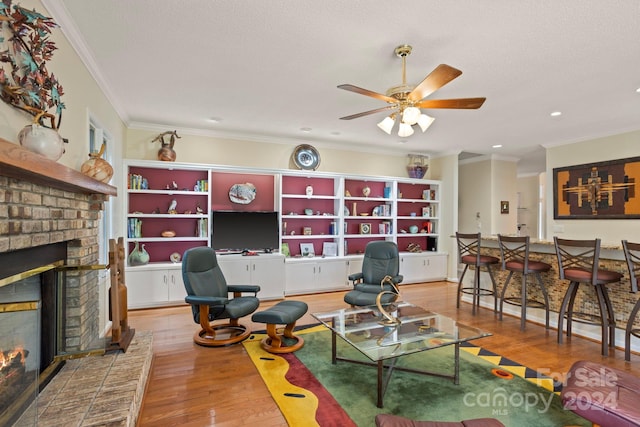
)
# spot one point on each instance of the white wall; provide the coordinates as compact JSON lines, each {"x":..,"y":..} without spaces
{"x":528,"y":189}
{"x":446,"y":169}
{"x":486,"y":181}
{"x":81,"y":96}
{"x":193,"y":148}
{"x":504,"y":187}
{"x":611,"y":231}
{"x":474,"y":196}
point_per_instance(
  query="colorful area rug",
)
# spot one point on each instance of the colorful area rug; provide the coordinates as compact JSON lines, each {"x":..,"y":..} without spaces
{"x":310,"y":391}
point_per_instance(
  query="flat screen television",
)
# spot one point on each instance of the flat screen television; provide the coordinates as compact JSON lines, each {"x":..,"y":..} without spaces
{"x":238,"y":231}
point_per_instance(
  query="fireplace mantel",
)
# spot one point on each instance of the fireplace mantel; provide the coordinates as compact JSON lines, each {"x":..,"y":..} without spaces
{"x":20,"y":163}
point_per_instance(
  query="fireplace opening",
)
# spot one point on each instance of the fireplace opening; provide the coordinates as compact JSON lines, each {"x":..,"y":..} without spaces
{"x":30,"y":329}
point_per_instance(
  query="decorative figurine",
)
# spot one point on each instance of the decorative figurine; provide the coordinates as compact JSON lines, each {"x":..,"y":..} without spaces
{"x":309,"y":191}
{"x":172,"y":207}
{"x":166,"y":152}
{"x":366,"y":191}
{"x":96,"y":167}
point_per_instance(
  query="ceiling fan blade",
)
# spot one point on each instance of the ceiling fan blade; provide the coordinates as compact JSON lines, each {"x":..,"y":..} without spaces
{"x":361,"y":91}
{"x":439,"y":77}
{"x":366,"y":113}
{"x":462,"y":103}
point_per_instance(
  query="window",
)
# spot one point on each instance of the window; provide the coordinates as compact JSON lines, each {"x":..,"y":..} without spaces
{"x":97,"y":137}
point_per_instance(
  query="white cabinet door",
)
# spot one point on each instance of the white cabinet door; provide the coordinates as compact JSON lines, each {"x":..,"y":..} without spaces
{"x":269,"y":274}
{"x":436,"y":267}
{"x":267,"y":271}
{"x":413,"y":268}
{"x":354,"y":265}
{"x":331,"y":275}
{"x":177,"y":292}
{"x":237,"y":271}
{"x":308,"y":276}
{"x":146,"y":287}
{"x":300,"y":277}
{"x":423,"y":267}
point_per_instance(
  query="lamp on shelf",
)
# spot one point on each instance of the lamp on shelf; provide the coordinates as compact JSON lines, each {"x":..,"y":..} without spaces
{"x":410,"y":116}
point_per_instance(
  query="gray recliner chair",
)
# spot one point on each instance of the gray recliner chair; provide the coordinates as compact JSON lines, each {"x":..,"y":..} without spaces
{"x":208,"y":294}
{"x":381,"y":259}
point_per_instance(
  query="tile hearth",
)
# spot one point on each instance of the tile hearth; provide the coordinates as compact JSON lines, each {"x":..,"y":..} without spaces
{"x":97,"y":390}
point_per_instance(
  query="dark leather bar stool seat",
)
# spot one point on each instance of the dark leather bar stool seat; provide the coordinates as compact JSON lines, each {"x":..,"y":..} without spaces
{"x":514,"y":254}
{"x":578,"y":262}
{"x":632,"y":255}
{"x":469,"y":255}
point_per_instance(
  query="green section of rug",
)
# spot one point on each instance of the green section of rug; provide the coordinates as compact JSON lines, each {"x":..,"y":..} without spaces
{"x":515,"y":402}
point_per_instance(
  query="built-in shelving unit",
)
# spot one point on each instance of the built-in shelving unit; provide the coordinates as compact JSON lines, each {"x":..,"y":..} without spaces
{"x":167,"y":209}
{"x":331,"y":216}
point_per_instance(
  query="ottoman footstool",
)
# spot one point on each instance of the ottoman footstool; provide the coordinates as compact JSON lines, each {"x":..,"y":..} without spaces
{"x":283,"y":313}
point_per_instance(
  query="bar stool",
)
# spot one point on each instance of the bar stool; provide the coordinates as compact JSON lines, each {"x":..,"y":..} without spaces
{"x":514,"y":254}
{"x":578,"y":262}
{"x":632,"y":255}
{"x":469,"y":254}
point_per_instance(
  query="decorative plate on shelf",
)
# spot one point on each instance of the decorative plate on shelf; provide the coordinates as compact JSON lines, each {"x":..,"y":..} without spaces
{"x":242,"y":194}
{"x":306,"y":157}
{"x":175,"y":257}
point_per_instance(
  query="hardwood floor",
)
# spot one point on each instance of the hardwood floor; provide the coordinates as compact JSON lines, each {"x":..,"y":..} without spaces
{"x":190,"y":385}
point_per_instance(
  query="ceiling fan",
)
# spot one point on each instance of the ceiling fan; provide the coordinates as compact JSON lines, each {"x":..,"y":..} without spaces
{"x":406,"y":100}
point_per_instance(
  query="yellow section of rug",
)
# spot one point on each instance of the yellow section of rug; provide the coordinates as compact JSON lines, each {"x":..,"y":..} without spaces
{"x":272,"y":369}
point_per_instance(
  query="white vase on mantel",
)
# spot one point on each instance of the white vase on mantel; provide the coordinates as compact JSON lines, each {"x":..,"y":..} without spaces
{"x":42,"y":140}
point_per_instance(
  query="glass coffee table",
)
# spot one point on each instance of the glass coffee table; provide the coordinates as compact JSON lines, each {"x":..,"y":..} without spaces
{"x":384,"y":342}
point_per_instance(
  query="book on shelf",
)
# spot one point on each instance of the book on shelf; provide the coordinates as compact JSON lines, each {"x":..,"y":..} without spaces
{"x":201,"y":185}
{"x":284,"y":250}
{"x":384,"y":227}
{"x":137,"y":182}
{"x":203,"y":227}
{"x":134,"y":230}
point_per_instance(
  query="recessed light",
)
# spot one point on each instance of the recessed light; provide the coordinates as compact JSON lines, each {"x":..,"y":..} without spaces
{"x":556,"y":113}
{"x":305,"y":130}
{"x":215,"y":119}
{"x":335,"y":133}
{"x":638,"y":90}
{"x":402,"y":141}
{"x":497,"y":146}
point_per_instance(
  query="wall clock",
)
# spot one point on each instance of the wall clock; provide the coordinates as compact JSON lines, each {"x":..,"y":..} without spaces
{"x":306,"y":157}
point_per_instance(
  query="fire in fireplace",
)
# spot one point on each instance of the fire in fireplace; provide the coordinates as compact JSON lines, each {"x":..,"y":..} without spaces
{"x":28,"y":334}
{"x":14,"y":379}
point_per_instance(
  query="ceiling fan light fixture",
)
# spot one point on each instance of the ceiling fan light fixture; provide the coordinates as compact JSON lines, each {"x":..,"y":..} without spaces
{"x":405,"y":130}
{"x":405,"y":100}
{"x":387,"y":124}
{"x":410,"y":115}
{"x":425,"y":121}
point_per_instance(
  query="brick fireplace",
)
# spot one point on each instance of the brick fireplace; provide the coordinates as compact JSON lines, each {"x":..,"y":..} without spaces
{"x":44,"y":205}
{"x":43,"y":202}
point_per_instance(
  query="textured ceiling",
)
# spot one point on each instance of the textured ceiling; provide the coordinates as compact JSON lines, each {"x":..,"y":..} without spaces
{"x":266,"y":69}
